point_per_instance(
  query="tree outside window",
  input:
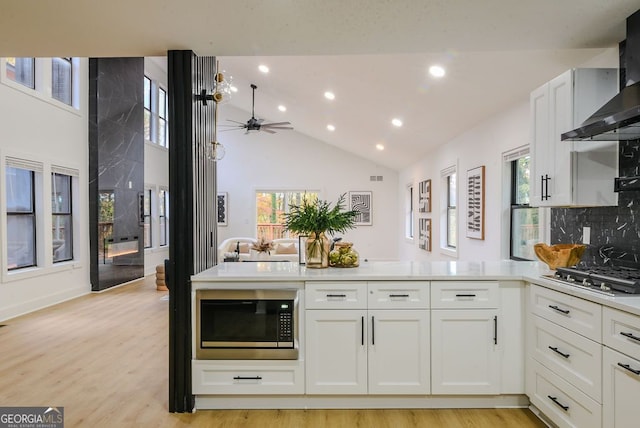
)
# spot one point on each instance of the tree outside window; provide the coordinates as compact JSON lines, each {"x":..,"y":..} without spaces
{"x":270,"y":207}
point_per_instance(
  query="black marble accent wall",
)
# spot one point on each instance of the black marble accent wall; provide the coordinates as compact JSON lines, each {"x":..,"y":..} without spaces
{"x":116,"y":170}
{"x":616,"y":227}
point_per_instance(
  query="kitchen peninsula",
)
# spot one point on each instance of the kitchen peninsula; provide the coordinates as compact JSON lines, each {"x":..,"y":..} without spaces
{"x":421,"y":335}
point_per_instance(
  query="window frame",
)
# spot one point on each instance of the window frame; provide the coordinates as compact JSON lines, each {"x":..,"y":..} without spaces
{"x":32,"y":84}
{"x":69,"y":61}
{"x":515,"y":206}
{"x":163,"y":207}
{"x":147,"y":216}
{"x":446,"y":209}
{"x":409,"y":226}
{"x":68,"y":214}
{"x":151,"y":97}
{"x":32,"y":213}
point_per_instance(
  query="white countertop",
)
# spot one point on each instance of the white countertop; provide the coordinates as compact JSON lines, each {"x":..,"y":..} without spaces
{"x":405,"y":270}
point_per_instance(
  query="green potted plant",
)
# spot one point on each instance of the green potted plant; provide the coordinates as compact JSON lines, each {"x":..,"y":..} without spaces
{"x":314,"y":218}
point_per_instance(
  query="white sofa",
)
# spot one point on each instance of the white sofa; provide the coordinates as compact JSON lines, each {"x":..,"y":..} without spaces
{"x":284,"y":249}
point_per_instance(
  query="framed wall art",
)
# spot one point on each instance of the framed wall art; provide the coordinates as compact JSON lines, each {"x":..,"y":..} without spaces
{"x":424,"y":234}
{"x":222,"y":208}
{"x":475,"y":203}
{"x":424,"y":196}
{"x":361,"y":203}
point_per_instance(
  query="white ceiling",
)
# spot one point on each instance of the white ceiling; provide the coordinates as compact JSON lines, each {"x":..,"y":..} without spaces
{"x":372,"y":53}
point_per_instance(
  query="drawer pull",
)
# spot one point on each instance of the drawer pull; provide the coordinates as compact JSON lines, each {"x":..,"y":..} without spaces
{"x":337,"y":296}
{"x":554,"y":349}
{"x":391,"y":296}
{"x":627,"y":367}
{"x":247,"y":378}
{"x":630,"y":336}
{"x":562,"y":311}
{"x":555,"y":400}
{"x":465,"y":295}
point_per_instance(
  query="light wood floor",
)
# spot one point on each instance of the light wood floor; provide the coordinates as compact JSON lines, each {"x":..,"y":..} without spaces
{"x":104,"y":358}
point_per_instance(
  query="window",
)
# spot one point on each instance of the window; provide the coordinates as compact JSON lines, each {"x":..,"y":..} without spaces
{"x":156,"y":129}
{"x":147,"y":218}
{"x":270,"y":206}
{"x":163,"y":130}
{"x":163,"y":210}
{"x":524,"y":219}
{"x":452,"y":221}
{"x":22,"y":70}
{"x":21,"y":218}
{"x":147,"y":108}
{"x":61,"y":79}
{"x":409,"y":213}
{"x":62,"y":224}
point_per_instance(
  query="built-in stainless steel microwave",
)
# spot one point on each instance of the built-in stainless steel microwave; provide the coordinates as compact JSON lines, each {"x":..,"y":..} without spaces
{"x":247,"y":324}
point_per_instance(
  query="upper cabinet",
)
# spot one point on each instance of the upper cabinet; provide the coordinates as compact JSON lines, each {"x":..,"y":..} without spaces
{"x":568,"y":173}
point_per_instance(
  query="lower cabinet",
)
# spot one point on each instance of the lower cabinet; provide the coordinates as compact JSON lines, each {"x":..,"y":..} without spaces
{"x":464,"y":352}
{"x":621,"y":390}
{"x":367,"y":352}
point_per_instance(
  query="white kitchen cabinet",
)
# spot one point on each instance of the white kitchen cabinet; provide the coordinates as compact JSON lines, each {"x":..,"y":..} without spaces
{"x":566,"y":173}
{"x":398,"y":352}
{"x":621,"y":390}
{"x":376,"y":351}
{"x":464,"y":351}
{"x":336,"y":352}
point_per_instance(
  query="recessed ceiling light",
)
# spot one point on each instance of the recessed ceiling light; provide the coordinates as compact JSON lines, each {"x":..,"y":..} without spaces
{"x":330,"y":95}
{"x":282,"y":108}
{"x":396,"y":122}
{"x":380,"y":146}
{"x":233,"y":89}
{"x":263,"y":68}
{"x":331,"y":127}
{"x":436,"y":71}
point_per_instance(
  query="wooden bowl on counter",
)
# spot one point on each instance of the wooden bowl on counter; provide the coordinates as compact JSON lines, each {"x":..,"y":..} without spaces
{"x":559,"y":255}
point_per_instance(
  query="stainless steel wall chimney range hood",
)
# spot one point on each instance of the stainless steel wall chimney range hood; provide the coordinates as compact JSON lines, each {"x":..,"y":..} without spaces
{"x":618,"y":119}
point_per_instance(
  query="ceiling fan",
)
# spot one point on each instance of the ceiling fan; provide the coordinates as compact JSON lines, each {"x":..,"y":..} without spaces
{"x":254,"y":124}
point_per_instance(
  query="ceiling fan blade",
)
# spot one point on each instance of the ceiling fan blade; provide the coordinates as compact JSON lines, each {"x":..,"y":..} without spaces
{"x":276,"y":124}
{"x":228,"y":125}
{"x":276,"y":127}
{"x":230,"y":129}
{"x":267,"y":130}
{"x":235,"y":121}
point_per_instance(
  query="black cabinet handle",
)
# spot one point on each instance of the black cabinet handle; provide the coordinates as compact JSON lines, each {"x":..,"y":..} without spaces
{"x":247,"y":378}
{"x":627,"y":367}
{"x":373,"y":330}
{"x":630,"y":336}
{"x":555,"y":400}
{"x":542,"y":187}
{"x":336,"y":295}
{"x":495,"y":330}
{"x":554,"y":349}
{"x":465,"y":295}
{"x":398,"y":295}
{"x":562,"y":311}
{"x":362,"y":331}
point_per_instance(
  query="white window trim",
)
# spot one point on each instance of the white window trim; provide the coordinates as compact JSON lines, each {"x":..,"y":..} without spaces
{"x":410,"y":212}
{"x":44,"y":256}
{"x":155,"y":114}
{"x":444,"y":249}
{"x":43,"y":84}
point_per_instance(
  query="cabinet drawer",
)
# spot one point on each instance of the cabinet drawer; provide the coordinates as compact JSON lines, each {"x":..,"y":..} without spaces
{"x":336,"y":295}
{"x":398,"y":295}
{"x":464,"y":294}
{"x":621,"y":331}
{"x":570,"y":355}
{"x":576,"y":314}
{"x":621,"y":389}
{"x":239,"y":378}
{"x":561,"y":402}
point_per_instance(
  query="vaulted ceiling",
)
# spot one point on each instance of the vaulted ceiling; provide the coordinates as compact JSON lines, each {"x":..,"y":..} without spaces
{"x":373,"y":54}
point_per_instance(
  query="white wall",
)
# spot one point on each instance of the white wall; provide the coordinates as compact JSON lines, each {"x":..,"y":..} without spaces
{"x":36,"y":127}
{"x":289,"y":160}
{"x":481,"y":145}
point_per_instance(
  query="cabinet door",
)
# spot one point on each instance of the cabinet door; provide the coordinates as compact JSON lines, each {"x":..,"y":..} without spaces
{"x":464,"y":352}
{"x":560,"y":120}
{"x":336,"y":356}
{"x":621,"y":382}
{"x":399,"y":352}
{"x":540,"y":167}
